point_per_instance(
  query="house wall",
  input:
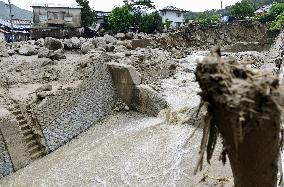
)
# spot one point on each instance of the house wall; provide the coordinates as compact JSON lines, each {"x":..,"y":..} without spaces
{"x":71,"y":16}
{"x":172,"y":16}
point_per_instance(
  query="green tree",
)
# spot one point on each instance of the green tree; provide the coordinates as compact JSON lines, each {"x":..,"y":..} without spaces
{"x":120,"y":19}
{"x":151,"y":23}
{"x":205,"y":18}
{"x":88,"y":15}
{"x":243,"y":9}
{"x":277,"y":24}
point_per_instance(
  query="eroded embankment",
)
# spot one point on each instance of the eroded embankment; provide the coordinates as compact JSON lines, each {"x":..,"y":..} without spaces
{"x":132,"y":149}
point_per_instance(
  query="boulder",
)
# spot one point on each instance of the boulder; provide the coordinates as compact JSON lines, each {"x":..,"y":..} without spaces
{"x":43,"y":52}
{"x":11,"y":52}
{"x":76,"y":43}
{"x":110,"y":47}
{"x":40,"y":42}
{"x":126,"y":43}
{"x":53,"y":44}
{"x":119,"y":48}
{"x":110,"y":39}
{"x":56,"y":55}
{"x":67,"y":44}
{"x":120,"y":36}
{"x":100,"y":42}
{"x":47,"y":87}
{"x":86,"y":47}
{"x":42,"y":95}
{"x":27,"y":50}
{"x":129,"y":35}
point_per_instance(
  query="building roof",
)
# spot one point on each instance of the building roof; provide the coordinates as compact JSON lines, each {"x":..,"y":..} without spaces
{"x":264,"y":8}
{"x":53,"y":5}
{"x":7,"y":23}
{"x":172,"y":8}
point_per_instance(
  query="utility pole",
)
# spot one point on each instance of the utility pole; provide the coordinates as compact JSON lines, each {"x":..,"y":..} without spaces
{"x":11,"y":20}
{"x":221,"y":4}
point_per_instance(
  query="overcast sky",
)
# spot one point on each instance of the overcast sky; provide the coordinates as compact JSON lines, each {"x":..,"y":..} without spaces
{"x":107,"y":5}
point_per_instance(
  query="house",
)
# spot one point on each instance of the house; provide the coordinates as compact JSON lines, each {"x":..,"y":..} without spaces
{"x":56,"y":15}
{"x":101,"y":17}
{"x":262,"y":10}
{"x":174,"y":15}
{"x":56,"y":20}
{"x":21,"y":29}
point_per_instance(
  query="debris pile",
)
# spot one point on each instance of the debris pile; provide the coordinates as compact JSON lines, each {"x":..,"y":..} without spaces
{"x":244,"y":106}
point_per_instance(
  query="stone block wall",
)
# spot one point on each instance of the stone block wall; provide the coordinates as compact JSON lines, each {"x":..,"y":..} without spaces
{"x":70,"y":112}
{"x":6,"y":166}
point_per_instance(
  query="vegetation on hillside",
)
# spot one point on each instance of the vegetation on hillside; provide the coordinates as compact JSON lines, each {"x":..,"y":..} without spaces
{"x":16,"y":11}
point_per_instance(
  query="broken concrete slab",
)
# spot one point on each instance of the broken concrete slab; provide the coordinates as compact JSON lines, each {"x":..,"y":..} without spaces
{"x":142,"y":43}
{"x":125,"y":77}
{"x":147,"y":101}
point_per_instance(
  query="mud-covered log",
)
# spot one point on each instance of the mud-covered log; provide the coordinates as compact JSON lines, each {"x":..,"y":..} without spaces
{"x":244,"y":105}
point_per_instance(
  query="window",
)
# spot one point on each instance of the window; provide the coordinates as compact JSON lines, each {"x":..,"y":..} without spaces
{"x":164,"y":13}
{"x":178,"y":14}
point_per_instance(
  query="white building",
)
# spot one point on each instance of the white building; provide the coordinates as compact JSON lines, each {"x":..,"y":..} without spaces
{"x":174,"y":15}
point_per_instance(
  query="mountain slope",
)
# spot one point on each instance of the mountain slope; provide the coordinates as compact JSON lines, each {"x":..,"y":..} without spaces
{"x":16,"y":11}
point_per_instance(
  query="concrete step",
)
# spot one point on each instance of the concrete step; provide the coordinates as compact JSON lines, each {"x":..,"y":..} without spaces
{"x":20,"y":117}
{"x":37,"y":155}
{"x":22,"y":122}
{"x":29,"y":137}
{"x":17,"y":112}
{"x":24,"y":127}
{"x":27,"y":132}
{"x":34,"y":149}
{"x":31,"y":143}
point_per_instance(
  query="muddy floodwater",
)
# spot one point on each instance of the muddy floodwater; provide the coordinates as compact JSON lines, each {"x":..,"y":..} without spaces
{"x":131,"y":149}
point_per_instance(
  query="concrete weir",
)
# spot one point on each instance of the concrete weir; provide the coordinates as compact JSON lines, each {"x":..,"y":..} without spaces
{"x":30,"y":130}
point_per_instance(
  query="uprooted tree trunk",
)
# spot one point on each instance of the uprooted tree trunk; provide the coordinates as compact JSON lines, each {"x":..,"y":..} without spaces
{"x":244,"y":106}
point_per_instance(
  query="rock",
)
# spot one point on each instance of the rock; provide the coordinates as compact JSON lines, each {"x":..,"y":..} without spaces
{"x":48,"y":62}
{"x":43,"y":52}
{"x":27,"y":50}
{"x":86,"y":47}
{"x":67,"y":44}
{"x":128,"y":53}
{"x":110,"y":39}
{"x":53,"y":44}
{"x":56,"y":55}
{"x":40,"y":42}
{"x":173,"y":67}
{"x":44,"y":94}
{"x":126,"y":43}
{"x":99,"y":49}
{"x":120,"y":36}
{"x":110,"y":47}
{"x":119,"y":48}
{"x":47,"y":87}
{"x":76,"y":43}
{"x":100,"y":42}
{"x":129,"y":35}
{"x":187,"y":70}
{"x":11,"y":52}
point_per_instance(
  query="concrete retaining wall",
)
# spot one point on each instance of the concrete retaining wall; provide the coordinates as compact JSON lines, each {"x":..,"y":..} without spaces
{"x":68,"y":113}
